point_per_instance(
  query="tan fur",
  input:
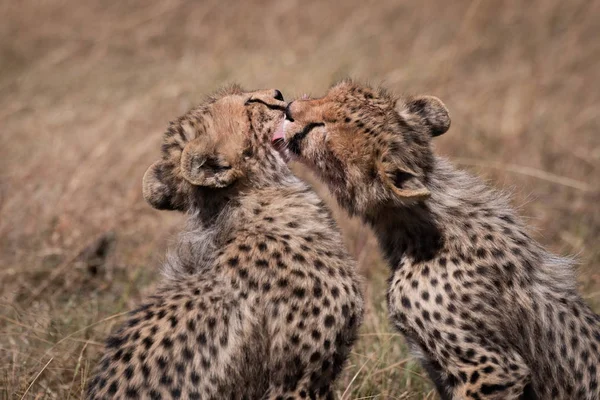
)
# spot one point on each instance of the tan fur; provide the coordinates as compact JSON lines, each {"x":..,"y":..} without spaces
{"x":260,"y":300}
{"x":490,"y":312}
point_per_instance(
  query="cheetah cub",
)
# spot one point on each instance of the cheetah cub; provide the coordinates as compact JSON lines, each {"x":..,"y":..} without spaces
{"x":260,"y":299}
{"x":491,"y":313}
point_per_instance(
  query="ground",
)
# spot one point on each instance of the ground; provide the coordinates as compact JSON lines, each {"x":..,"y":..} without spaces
{"x":87,"y":88}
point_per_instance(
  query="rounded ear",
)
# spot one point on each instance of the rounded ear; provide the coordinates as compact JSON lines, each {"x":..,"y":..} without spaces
{"x":160,"y":187}
{"x":433,"y":111}
{"x":201,"y":165}
{"x":405,"y":184}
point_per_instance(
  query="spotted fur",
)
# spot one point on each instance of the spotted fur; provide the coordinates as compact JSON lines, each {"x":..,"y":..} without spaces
{"x":260,"y":299}
{"x":490,"y":312}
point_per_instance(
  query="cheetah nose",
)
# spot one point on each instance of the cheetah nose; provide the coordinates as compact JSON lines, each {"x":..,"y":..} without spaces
{"x":278,"y":95}
{"x":288,"y":113}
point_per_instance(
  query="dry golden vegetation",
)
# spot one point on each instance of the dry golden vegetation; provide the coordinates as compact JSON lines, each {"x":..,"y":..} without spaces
{"x":86,"y":89}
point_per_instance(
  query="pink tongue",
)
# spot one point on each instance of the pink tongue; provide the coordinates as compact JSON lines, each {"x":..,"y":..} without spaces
{"x":278,"y":134}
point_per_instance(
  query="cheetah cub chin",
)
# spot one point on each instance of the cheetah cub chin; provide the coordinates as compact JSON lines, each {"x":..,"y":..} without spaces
{"x":260,"y":299}
{"x":490,"y":312}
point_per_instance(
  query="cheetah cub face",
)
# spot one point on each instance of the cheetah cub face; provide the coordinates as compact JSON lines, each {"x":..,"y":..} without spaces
{"x":222,"y":144}
{"x":368,"y":146}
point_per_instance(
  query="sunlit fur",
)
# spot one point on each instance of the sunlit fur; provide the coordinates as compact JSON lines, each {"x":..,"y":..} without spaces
{"x":260,"y":299}
{"x":491,"y":313}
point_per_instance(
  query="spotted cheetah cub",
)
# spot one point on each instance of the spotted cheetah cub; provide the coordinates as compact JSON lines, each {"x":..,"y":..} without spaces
{"x":490,"y":312}
{"x":260,"y":301}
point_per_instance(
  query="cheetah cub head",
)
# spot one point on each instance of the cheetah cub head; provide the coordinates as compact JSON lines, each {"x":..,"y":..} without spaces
{"x":218,"y":147}
{"x":371,"y":148}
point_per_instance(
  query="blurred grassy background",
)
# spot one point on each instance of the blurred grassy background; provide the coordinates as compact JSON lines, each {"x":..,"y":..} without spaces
{"x":87,"y":88}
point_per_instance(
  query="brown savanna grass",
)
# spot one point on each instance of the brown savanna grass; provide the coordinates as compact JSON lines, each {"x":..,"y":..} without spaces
{"x":86,"y":89}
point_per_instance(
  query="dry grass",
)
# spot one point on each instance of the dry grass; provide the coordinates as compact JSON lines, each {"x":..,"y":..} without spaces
{"x":86,"y":89}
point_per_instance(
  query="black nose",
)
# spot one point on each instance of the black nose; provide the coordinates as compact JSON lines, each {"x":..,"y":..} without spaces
{"x":278,"y":95}
{"x":288,"y":113}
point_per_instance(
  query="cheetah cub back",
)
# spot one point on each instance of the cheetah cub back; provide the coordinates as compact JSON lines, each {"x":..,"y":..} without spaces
{"x":260,"y":300}
{"x":490,"y":312}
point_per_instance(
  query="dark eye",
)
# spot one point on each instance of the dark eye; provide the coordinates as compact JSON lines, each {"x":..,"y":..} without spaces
{"x":270,"y":106}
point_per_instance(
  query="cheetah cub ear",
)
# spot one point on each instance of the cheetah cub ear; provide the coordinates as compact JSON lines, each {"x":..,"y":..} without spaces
{"x":161,"y":188}
{"x":405,"y":184}
{"x":168,"y":183}
{"x":203,"y":165}
{"x":433,"y":112}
